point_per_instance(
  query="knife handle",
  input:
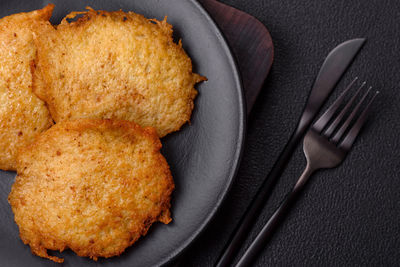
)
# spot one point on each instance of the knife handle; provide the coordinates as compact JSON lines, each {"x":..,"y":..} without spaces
{"x":258,"y":202}
{"x":277,"y":217}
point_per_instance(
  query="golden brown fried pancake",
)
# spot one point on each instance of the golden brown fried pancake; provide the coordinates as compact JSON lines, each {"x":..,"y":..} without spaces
{"x":115,"y":65}
{"x":94,"y":186}
{"x":22,"y":115}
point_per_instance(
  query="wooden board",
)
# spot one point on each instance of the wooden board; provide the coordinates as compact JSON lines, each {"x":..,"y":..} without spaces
{"x":250,"y":42}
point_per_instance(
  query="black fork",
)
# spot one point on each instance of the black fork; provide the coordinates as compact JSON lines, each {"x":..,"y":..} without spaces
{"x":326,"y":145}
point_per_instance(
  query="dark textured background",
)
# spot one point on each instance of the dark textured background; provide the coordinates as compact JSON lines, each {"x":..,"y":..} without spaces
{"x":349,"y":216}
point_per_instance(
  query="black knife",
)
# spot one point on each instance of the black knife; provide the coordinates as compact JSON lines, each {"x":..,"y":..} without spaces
{"x":336,"y":63}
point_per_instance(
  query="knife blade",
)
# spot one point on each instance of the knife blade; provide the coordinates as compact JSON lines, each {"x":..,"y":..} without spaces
{"x":333,"y":68}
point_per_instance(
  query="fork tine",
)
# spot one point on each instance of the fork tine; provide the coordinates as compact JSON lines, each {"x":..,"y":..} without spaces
{"x":341,"y":115}
{"x":320,"y":124}
{"x":351,"y":136}
{"x":346,"y":124}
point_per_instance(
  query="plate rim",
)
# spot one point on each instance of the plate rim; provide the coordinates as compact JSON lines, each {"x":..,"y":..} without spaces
{"x":240,"y":144}
{"x":236,"y":156}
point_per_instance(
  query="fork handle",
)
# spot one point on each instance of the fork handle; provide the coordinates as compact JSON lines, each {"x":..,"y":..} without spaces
{"x":262,"y":238}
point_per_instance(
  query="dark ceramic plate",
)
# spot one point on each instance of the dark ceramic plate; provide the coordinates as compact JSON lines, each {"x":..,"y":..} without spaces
{"x":203,"y":156}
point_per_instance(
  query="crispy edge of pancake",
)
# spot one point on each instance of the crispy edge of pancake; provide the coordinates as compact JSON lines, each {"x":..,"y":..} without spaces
{"x":15,"y":198}
{"x":39,"y":14}
{"x":42,"y":67}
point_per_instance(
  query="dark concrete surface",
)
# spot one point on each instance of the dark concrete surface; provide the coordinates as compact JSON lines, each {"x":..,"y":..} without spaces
{"x":348,"y":216}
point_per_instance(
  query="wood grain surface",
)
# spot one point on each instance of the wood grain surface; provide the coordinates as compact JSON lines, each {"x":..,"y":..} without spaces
{"x":250,"y":42}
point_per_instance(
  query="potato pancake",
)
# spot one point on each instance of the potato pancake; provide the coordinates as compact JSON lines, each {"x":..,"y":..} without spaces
{"x":93,"y":186}
{"x":22,"y":114}
{"x":115,"y":65}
